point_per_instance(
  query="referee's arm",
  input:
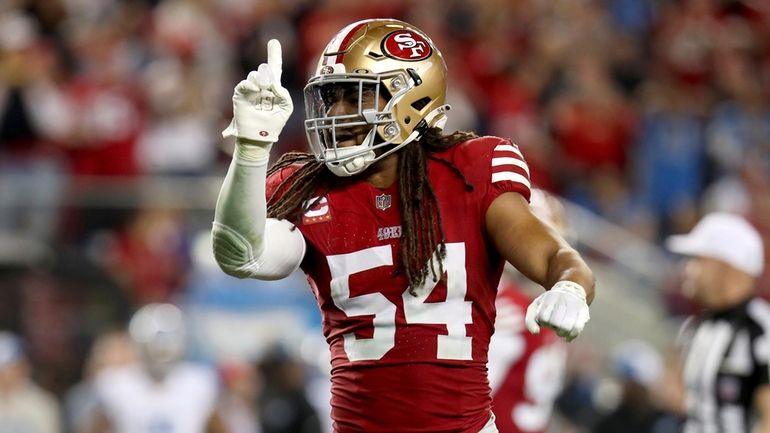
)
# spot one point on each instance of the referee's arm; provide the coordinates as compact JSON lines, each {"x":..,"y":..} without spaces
{"x":762,"y":405}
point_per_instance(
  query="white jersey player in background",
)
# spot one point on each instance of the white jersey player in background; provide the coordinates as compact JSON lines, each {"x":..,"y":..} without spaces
{"x":162,"y":393}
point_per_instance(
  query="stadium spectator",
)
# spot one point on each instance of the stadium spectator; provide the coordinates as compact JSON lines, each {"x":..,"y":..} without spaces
{"x":240,"y":399}
{"x":33,"y":174}
{"x":24,"y":406}
{"x":283,"y":402}
{"x":110,"y":350}
{"x":149,"y":255}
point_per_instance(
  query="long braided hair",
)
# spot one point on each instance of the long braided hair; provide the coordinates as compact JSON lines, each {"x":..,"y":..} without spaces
{"x":422,"y":229}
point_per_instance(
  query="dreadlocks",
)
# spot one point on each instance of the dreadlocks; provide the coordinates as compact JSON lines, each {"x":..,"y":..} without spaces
{"x":423,"y":233}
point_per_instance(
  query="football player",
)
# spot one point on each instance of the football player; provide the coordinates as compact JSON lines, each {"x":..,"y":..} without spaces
{"x":161,"y":393}
{"x":402,"y":230}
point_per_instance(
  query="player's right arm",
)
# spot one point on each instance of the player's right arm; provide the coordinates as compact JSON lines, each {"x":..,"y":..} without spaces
{"x":246,"y":243}
{"x":541,"y":254}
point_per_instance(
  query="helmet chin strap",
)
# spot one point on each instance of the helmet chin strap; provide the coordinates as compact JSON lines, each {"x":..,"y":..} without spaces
{"x":358,"y":161}
{"x":353,"y":165}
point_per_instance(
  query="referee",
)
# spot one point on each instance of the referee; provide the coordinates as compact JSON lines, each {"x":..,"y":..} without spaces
{"x":727,"y":346}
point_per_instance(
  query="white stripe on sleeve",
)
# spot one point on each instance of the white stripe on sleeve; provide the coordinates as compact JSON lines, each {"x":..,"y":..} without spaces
{"x":509,"y":175}
{"x":510,"y":148}
{"x":510,"y":161}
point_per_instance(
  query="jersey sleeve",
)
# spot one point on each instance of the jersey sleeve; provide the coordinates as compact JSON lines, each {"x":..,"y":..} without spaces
{"x":502,"y":169}
{"x":508,"y":171}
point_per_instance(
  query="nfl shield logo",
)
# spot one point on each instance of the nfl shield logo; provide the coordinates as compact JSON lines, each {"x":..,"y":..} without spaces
{"x":382,"y":201}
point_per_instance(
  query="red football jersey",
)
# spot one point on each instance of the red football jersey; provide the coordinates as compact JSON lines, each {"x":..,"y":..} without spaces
{"x":526,"y":371}
{"x":404,"y":362}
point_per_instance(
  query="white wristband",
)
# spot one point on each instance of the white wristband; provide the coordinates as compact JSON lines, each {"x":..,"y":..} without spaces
{"x":250,"y":152}
{"x":570,"y":287}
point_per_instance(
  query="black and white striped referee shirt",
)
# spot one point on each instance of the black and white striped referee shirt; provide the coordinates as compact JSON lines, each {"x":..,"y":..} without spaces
{"x":726,"y":359}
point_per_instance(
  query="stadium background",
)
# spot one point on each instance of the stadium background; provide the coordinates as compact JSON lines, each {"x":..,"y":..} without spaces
{"x":642,"y":115}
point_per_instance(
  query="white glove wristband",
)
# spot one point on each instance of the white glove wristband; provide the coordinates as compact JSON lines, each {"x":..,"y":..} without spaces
{"x":251,"y":151}
{"x":570,"y":287}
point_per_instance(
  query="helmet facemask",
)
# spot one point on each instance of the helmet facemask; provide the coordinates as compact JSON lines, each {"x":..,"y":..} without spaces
{"x":361,"y":93}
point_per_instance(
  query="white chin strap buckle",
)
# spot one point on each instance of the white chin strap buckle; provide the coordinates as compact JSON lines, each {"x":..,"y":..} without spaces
{"x":342,"y":163}
{"x":351,"y":166}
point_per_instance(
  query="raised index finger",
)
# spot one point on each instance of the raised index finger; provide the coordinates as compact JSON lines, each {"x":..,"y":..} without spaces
{"x":274,"y":59}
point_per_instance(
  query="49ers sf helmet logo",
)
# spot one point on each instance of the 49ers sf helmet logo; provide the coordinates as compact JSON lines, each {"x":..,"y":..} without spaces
{"x":406,"y":45}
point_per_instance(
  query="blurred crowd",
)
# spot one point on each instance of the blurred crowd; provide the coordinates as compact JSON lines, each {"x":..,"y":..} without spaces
{"x":647,"y":112}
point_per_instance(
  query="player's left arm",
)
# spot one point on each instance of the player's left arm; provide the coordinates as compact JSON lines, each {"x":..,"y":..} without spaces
{"x":762,"y":408}
{"x":543,"y":256}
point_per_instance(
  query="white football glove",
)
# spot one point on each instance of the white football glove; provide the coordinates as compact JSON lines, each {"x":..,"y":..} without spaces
{"x":261,"y":105}
{"x":563,"y":309}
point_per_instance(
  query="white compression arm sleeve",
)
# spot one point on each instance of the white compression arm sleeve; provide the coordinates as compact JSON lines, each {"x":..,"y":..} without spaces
{"x":246,"y":243}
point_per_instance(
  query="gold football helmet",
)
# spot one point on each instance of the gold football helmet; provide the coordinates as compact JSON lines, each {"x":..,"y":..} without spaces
{"x":365,"y":63}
